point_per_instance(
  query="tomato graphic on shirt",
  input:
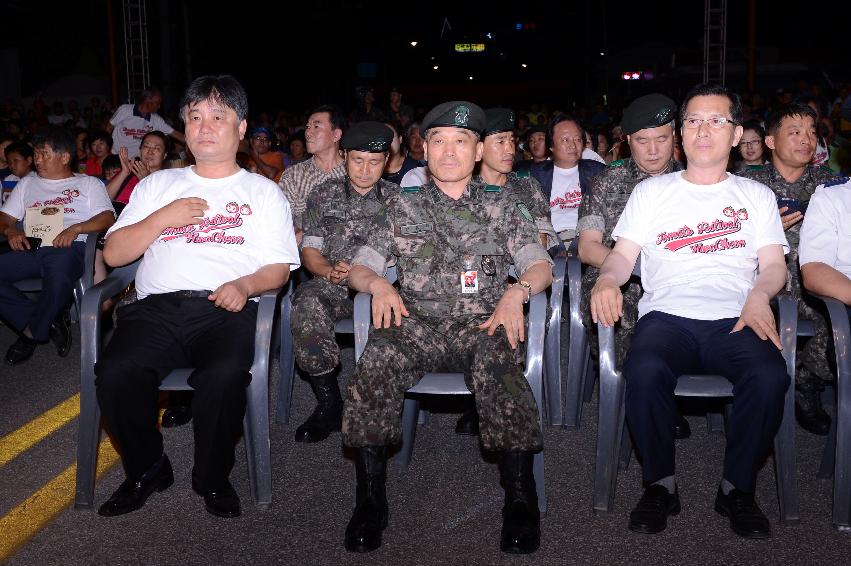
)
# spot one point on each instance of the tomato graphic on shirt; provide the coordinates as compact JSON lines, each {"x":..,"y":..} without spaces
{"x":232,"y":207}
{"x":245,"y":210}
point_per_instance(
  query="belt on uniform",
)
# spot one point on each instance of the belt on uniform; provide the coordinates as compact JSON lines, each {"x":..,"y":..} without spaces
{"x":202,"y":294}
{"x":567,"y":235}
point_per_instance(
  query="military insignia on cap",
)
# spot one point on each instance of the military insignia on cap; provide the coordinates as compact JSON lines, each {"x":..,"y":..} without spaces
{"x":664,"y":115}
{"x":376,"y":145}
{"x":511,"y":116}
{"x":462,"y":113}
{"x":525,"y":212}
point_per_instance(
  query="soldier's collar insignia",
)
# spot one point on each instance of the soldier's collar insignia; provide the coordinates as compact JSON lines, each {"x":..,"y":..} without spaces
{"x":493,"y":189}
{"x":410,"y":190}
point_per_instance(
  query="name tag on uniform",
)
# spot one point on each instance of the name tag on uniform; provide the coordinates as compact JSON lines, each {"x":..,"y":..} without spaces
{"x":470,"y":281}
{"x":412,"y":229}
{"x":335,"y":214}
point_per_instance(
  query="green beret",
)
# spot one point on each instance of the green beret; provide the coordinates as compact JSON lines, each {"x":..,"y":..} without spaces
{"x":648,"y":111}
{"x":458,"y":114}
{"x":498,"y":120}
{"x":373,"y":137}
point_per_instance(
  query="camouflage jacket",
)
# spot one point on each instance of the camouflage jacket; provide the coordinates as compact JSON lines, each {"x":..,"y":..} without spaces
{"x":337,"y":218}
{"x":522,"y":187}
{"x":440,"y":244}
{"x":802,"y":189}
{"x":603,"y":205}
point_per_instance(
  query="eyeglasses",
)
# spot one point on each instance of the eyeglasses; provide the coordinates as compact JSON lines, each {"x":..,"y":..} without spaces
{"x":754,"y":143}
{"x":715,"y":122}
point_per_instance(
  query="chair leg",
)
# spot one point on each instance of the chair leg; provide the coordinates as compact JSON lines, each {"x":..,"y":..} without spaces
{"x":590,"y":377}
{"x":609,"y":433}
{"x":828,"y":455}
{"x":784,"y":463}
{"x":410,"y":413}
{"x":88,"y":437}
{"x":842,"y":466}
{"x":715,"y":423}
{"x":257,"y":443}
{"x":286,"y":365}
{"x":625,"y":453}
{"x":577,"y":362}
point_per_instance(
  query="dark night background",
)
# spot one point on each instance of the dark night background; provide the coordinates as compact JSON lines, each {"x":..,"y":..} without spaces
{"x":294,"y":55}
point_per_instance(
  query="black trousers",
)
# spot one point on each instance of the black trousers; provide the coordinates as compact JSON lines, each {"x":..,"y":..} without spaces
{"x":665,"y":347}
{"x":161,"y":333}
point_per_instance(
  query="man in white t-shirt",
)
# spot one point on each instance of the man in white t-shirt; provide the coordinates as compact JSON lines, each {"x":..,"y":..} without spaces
{"x":825,"y":248}
{"x":131,"y":122}
{"x":212,"y":236}
{"x":712,"y":257}
{"x":85,"y":209}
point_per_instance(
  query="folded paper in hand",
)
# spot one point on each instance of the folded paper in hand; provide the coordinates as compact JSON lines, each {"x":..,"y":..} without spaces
{"x":45,"y":222}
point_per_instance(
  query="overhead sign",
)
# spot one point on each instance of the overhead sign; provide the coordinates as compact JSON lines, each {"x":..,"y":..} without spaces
{"x":469,"y":47}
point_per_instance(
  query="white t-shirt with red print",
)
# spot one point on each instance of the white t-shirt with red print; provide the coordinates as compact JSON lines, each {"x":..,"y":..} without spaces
{"x":248,"y":225}
{"x":565,"y":198}
{"x":699,"y":243}
{"x":130,"y":127}
{"x":81,"y":197}
{"x":826,"y":232}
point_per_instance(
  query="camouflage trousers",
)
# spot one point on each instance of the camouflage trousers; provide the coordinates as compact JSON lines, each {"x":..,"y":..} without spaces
{"x":811,"y":367}
{"x":396,"y":358}
{"x":317,"y":306}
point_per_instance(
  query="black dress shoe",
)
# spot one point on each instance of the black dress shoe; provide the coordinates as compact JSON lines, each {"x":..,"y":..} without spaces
{"x":682,"y":429}
{"x":746,"y":518}
{"x":177,"y":415}
{"x":810,"y":413}
{"x":131,"y":495}
{"x":60,"y":333}
{"x":468,"y":423}
{"x":650,"y":515}
{"x":222,"y":502}
{"x":20,"y":351}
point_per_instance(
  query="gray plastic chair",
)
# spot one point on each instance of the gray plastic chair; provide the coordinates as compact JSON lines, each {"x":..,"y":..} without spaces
{"x":836,"y":459}
{"x":286,"y":364}
{"x":453,"y":383}
{"x":255,"y":424}
{"x":553,"y":389}
{"x":612,"y":442}
{"x":83,"y":284}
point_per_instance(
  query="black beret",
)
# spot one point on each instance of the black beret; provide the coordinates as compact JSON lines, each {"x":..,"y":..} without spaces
{"x":536,"y":130}
{"x":374,"y":137}
{"x":458,"y":114}
{"x":498,"y":120}
{"x":648,"y":111}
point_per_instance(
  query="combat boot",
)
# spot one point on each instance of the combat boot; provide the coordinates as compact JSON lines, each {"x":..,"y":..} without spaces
{"x":327,"y":417}
{"x":521,"y":520}
{"x":809,"y":411}
{"x":369,"y":518}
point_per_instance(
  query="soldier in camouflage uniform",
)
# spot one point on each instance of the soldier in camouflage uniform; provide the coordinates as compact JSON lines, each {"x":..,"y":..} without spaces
{"x":791,"y":134}
{"x":339,"y":215}
{"x":649,"y":126}
{"x":453,"y":240}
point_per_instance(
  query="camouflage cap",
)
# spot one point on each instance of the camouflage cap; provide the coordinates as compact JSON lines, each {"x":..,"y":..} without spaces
{"x":648,"y":111}
{"x":458,"y":114}
{"x":373,"y":137}
{"x":498,"y":120}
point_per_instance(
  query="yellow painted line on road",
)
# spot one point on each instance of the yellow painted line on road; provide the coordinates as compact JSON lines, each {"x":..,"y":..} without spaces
{"x":39,"y":428}
{"x":33,"y":514}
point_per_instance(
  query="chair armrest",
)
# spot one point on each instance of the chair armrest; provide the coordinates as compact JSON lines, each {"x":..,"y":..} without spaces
{"x":787,"y":323}
{"x":607,"y":351}
{"x":362,"y":318}
{"x":535,"y":334}
{"x":87,"y":279}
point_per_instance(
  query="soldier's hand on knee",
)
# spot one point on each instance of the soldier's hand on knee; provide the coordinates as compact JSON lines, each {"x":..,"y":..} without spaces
{"x":606,"y":302}
{"x":757,"y":315}
{"x":509,"y":315}
{"x":387,"y":307}
{"x":230,"y":296}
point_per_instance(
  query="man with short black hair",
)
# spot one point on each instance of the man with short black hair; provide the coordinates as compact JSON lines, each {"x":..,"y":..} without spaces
{"x":323,"y":132}
{"x":212,"y":237}
{"x":711,"y":248}
{"x":791,"y":135}
{"x":85,"y":208}
{"x":130,"y":122}
{"x":339,"y":216}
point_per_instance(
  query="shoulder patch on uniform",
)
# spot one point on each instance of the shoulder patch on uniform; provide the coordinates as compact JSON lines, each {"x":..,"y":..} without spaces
{"x":410,"y":189}
{"x":493,"y":189}
{"x":523,"y":174}
{"x":524,"y":212}
{"x":838,"y":180}
{"x":617,"y":163}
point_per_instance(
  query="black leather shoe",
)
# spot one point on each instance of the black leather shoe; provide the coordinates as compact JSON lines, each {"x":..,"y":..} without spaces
{"x":810,"y":413}
{"x":327,"y":417}
{"x":132,"y":495}
{"x":222,"y":502}
{"x":468,"y":423}
{"x":682,"y":429}
{"x":746,"y":518}
{"x":369,"y":518}
{"x":20,"y":351}
{"x":521,"y":519}
{"x":60,"y":333}
{"x":650,"y":515}
{"x":177,"y":415}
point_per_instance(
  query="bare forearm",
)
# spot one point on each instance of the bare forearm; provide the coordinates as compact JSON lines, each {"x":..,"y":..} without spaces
{"x":539,"y":275}
{"x":825,"y":280}
{"x":770,"y":280}
{"x":364,"y":280}
{"x":97,"y":223}
{"x":616,"y":267}
{"x":266,"y":278}
{"x":7,"y":221}
{"x":128,"y":243}
{"x":591,"y":249}
{"x":268,"y":171}
{"x":114,"y":185}
{"x":315,"y":262}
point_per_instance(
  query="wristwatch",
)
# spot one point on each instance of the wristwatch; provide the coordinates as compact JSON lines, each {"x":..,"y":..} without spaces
{"x":527,"y":286}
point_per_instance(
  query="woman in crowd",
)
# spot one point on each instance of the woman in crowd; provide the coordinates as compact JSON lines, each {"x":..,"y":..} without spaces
{"x":752,"y":147}
{"x":153,"y":151}
{"x":100,"y":145}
